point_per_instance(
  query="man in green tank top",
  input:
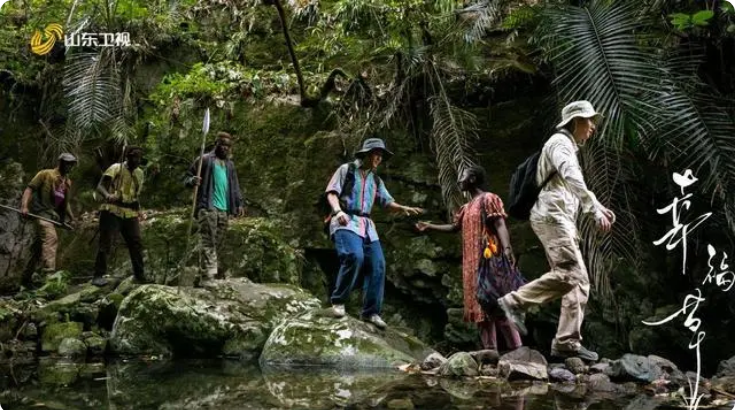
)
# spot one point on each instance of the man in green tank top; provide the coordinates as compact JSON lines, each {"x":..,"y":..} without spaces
{"x":219,"y":198}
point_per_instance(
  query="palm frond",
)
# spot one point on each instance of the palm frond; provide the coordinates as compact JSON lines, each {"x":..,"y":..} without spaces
{"x":610,"y":175}
{"x":477,"y":18}
{"x":699,"y":134}
{"x":92,"y":88}
{"x":598,"y":57}
{"x":452,"y":134}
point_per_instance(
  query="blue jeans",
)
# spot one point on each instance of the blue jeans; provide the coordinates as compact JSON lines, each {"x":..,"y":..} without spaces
{"x":355,"y":253}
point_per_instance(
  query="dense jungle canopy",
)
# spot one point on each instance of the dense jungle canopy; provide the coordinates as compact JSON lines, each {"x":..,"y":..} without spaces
{"x":448,"y":84}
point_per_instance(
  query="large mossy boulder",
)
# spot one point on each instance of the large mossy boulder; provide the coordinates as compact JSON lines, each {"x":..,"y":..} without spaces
{"x":230,"y":317}
{"x":315,"y":339}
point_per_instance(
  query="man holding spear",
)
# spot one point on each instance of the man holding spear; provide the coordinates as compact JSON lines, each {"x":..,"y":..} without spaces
{"x":47,"y":199}
{"x":217,"y":196}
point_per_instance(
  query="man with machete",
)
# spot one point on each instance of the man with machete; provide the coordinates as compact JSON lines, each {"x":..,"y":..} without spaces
{"x":120,"y":188}
{"x":47,"y":195}
{"x":218,"y":198}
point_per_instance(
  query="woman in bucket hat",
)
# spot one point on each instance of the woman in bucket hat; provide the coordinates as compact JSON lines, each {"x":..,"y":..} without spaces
{"x":553,"y":219}
{"x":353,"y":232}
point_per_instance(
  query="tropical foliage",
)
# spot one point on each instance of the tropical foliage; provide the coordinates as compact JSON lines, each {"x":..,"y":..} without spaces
{"x":662,"y":72}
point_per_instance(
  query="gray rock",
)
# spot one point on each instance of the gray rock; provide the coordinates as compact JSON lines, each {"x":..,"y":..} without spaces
{"x":485,"y":356}
{"x":489,"y":371}
{"x":575,"y":365}
{"x":726,"y":367}
{"x":426,"y":267}
{"x":458,"y":365}
{"x":561,"y":375}
{"x":693,"y":376}
{"x":230,"y":317}
{"x":315,"y":339}
{"x":525,"y":354}
{"x":72,"y":348}
{"x":631,"y":367}
{"x":599,"y":368}
{"x":53,"y":334}
{"x":664,"y":364}
{"x":725,"y":384}
{"x":30,"y":331}
{"x":601,"y":383}
{"x":522,"y":370}
{"x":96,"y":345}
{"x":433,"y":361}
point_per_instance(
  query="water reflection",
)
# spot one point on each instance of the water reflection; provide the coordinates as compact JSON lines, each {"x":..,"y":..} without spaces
{"x":324,"y":388}
{"x":233,"y":385}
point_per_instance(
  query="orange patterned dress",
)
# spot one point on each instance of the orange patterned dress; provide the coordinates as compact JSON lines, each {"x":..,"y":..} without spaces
{"x":469,"y":219}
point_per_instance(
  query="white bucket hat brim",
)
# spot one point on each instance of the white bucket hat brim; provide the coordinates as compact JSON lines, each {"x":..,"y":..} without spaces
{"x":581,"y":109}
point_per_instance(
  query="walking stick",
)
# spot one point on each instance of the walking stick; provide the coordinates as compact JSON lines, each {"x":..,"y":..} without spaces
{"x":51,"y":221}
{"x":185,"y":256}
{"x":205,"y":130}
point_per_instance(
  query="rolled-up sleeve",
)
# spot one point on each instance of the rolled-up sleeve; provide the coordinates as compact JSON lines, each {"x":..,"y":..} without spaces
{"x":565,"y":161}
{"x":335,"y":184}
{"x":384,"y":197}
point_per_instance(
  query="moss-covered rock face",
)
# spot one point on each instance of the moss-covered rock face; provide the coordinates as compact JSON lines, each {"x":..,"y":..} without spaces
{"x":15,"y":234}
{"x":316,"y":339}
{"x":54,"y":334}
{"x":72,"y":348}
{"x":230,"y":317}
{"x":256,"y":248}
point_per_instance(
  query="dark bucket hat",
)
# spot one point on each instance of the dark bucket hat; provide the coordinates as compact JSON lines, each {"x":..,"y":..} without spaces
{"x":371,"y":144}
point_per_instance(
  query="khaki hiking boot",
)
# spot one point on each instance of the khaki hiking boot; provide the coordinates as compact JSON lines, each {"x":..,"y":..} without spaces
{"x":583,"y":353}
{"x":338,"y":311}
{"x":376,"y":320}
{"x":515,"y":317}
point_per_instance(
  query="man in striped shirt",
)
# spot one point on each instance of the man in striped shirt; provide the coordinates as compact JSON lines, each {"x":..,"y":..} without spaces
{"x":353,"y":232}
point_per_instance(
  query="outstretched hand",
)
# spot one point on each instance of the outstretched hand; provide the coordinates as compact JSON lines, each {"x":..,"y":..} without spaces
{"x":408,"y":210}
{"x":422,"y":226}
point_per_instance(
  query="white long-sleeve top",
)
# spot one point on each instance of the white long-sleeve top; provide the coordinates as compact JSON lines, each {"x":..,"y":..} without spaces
{"x":560,"y":200}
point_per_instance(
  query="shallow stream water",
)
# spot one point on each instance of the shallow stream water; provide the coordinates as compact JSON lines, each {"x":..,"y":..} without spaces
{"x":53,"y":384}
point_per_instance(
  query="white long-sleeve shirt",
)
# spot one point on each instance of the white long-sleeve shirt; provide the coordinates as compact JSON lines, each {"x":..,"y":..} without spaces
{"x":560,"y":199}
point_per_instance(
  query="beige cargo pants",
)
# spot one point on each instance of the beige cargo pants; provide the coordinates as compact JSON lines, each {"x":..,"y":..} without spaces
{"x":567,"y":279}
{"x":48,"y":243}
{"x":212,"y":226}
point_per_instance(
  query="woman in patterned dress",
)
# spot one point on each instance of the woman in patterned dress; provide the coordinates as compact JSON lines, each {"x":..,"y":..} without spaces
{"x":469,"y":221}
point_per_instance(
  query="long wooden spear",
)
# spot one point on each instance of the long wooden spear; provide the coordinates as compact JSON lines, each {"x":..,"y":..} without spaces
{"x":205,"y":131}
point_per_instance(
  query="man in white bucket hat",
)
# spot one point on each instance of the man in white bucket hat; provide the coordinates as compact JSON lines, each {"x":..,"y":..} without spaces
{"x":553,"y":219}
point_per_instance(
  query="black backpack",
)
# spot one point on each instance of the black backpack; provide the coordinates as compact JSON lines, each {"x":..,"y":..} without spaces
{"x":523,"y":188}
{"x":325,"y":210}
